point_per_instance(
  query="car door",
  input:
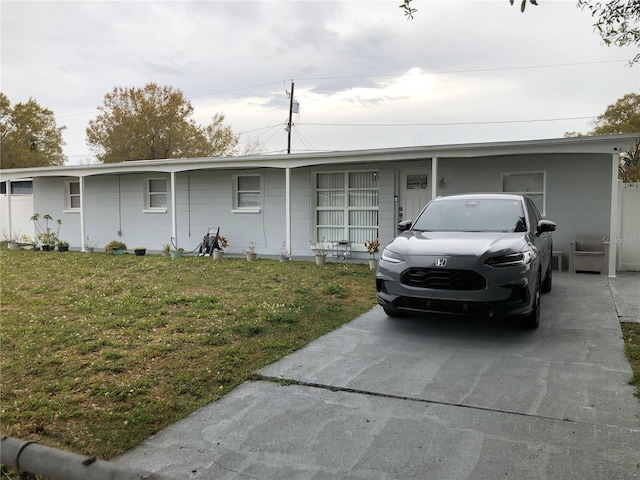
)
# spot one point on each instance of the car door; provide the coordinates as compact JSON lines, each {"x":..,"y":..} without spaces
{"x":543,"y":241}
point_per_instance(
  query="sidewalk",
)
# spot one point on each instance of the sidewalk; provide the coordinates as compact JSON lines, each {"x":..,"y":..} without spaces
{"x":417,"y":398}
{"x":625,"y":289}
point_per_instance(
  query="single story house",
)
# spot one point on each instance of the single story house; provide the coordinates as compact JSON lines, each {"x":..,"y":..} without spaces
{"x":292,"y":201}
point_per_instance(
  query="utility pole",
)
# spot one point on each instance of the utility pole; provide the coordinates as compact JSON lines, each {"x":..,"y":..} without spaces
{"x":290,"y":124}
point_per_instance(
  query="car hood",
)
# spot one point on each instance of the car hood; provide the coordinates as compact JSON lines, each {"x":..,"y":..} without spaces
{"x":458,"y":243}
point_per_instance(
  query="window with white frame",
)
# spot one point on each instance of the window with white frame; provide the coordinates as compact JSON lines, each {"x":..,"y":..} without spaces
{"x":247,"y":195}
{"x":531,"y":184}
{"x":346,"y":206}
{"x":72,"y":196}
{"x":155,"y":194}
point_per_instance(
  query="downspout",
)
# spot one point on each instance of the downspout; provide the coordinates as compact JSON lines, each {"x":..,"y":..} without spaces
{"x":434,"y":177}
{"x":174,"y":216}
{"x":287,"y":212}
{"x":613,"y":228}
{"x":83,"y":233}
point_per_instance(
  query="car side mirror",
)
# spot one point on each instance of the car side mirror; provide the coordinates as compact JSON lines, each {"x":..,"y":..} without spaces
{"x":546,"y":226}
{"x":404,"y":225}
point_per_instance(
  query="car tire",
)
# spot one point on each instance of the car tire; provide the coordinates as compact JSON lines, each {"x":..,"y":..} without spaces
{"x":546,"y":285}
{"x":532,"y":321}
{"x":392,"y":312}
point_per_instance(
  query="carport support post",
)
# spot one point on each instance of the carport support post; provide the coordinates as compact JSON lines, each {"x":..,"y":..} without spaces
{"x":83,"y":234}
{"x":174,"y":215}
{"x":287,"y":213}
{"x":613,"y":229}
{"x":434,"y":177}
{"x":9,"y":221}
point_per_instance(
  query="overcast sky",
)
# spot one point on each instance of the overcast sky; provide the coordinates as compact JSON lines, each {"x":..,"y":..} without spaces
{"x":365,"y":76}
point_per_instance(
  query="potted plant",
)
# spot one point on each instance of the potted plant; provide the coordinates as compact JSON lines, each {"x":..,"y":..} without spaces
{"x":166,"y":250}
{"x":89,"y":246}
{"x":115,"y":247}
{"x":283,"y":256}
{"x":140,"y":251}
{"x":62,"y":246}
{"x":28,"y":242}
{"x":13,"y":242}
{"x":250,"y":252}
{"x":372,"y":247}
{"x":321,"y":249}
{"x":176,"y":252}
{"x":222,"y":244}
{"x":45,"y":234}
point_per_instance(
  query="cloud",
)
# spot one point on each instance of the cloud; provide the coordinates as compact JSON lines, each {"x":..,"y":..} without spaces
{"x":456,"y":65}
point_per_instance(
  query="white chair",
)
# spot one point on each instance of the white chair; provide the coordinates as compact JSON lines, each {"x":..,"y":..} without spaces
{"x":589,"y":253}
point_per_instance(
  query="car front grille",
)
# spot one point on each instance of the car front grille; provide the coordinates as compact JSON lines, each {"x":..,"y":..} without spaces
{"x":443,"y":279}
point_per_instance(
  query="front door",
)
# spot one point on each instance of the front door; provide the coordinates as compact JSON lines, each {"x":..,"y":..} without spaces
{"x":415,"y":193}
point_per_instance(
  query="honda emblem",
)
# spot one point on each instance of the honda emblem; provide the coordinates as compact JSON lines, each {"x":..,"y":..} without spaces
{"x":441,"y":262}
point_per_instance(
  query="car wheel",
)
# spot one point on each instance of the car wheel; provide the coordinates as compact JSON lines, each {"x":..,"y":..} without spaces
{"x":546,"y":285}
{"x":392,"y":312}
{"x":532,"y":321}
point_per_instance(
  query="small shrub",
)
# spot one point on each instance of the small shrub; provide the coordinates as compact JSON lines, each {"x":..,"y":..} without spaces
{"x":114,"y":245}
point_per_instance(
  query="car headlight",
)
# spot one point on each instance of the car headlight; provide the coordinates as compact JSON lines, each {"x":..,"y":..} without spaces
{"x":511,"y":260}
{"x":392,"y":257}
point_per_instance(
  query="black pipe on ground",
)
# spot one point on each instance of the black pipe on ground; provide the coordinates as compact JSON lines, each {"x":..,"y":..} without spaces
{"x":57,"y":464}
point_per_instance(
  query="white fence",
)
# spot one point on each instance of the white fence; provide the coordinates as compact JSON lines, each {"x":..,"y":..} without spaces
{"x":629,"y":231}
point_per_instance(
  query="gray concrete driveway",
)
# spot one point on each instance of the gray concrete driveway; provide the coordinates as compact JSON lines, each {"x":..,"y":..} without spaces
{"x":419,"y":398}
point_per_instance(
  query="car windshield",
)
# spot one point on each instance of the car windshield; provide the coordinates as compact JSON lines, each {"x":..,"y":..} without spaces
{"x":472,"y":215}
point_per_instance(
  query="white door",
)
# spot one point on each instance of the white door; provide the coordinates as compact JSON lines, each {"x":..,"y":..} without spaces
{"x":415,"y":193}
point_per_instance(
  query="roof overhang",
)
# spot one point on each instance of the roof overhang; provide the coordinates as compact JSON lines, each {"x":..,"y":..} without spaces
{"x":602,"y":144}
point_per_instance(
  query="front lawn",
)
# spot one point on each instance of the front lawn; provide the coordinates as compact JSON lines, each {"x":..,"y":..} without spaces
{"x":101,"y":351}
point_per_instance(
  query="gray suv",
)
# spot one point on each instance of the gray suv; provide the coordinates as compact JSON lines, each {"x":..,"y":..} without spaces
{"x":485,"y":255}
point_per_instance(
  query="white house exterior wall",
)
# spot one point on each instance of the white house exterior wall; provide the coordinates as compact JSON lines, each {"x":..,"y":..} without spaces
{"x":578,"y":191}
{"x":577,"y":198}
{"x":21,"y":212}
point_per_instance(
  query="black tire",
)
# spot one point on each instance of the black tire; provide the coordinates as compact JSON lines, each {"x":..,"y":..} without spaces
{"x":546,"y":285}
{"x":392,"y":312}
{"x":532,"y":321}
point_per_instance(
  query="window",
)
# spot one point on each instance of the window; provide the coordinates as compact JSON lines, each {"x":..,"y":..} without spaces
{"x":18,"y":187}
{"x":72,"y":196}
{"x":155,"y":195}
{"x":531,"y":184}
{"x":247,"y":196}
{"x":416,"y":182}
{"x":346,"y":206}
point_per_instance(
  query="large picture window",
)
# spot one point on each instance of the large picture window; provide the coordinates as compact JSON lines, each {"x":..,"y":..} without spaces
{"x":346,"y":207}
{"x":531,"y":184}
{"x":156,"y":196}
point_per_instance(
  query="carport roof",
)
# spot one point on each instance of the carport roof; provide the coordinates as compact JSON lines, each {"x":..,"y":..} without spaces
{"x":611,"y":144}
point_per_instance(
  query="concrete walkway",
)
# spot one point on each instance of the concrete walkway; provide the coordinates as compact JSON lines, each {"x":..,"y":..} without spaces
{"x":418,"y":398}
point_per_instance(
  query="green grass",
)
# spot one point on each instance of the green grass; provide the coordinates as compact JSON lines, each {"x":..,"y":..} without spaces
{"x":631,"y":334}
{"x":98,"y":352}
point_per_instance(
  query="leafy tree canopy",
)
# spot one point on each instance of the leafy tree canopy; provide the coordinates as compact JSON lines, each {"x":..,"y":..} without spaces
{"x":154,"y":122}
{"x":617,"y":21}
{"x":621,"y":117}
{"x":29,"y":136}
